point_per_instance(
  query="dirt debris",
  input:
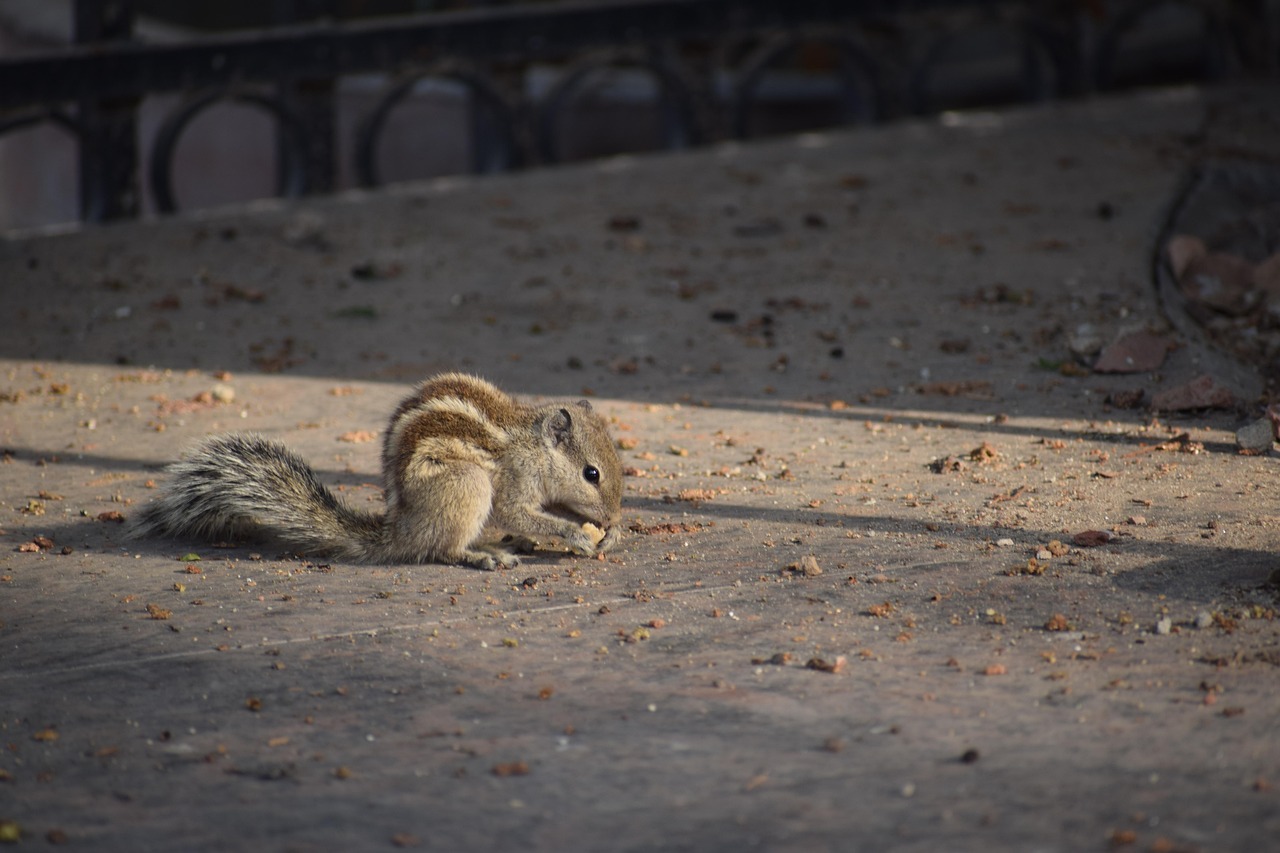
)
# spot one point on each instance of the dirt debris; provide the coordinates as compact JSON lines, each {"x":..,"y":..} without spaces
{"x":952,"y":614}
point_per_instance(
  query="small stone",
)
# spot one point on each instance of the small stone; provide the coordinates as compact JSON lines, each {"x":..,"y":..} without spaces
{"x":223,"y":393}
{"x":823,"y":665}
{"x":1137,"y":352}
{"x":807,"y":566}
{"x":306,"y":230}
{"x":1004,"y":543}
{"x":1203,"y":392}
{"x":1221,"y":282}
{"x":1127,"y":398}
{"x":1164,"y":626}
{"x":1086,"y":342}
{"x":623,"y":223}
{"x":1182,"y":249}
{"x":1138,"y":520}
{"x":1057,"y":622}
{"x":1266,"y":276}
{"x":1092,"y":538}
{"x":1044,"y":554}
{"x":1204,"y":619}
{"x":1257,"y":436}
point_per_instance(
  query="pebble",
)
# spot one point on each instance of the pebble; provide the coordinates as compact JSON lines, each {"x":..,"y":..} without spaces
{"x":1164,"y":626}
{"x":1182,"y":249}
{"x":1220,"y":281}
{"x":1004,"y":543}
{"x":808,"y":566}
{"x":306,"y":229}
{"x":1086,"y":341}
{"x":1204,"y":619}
{"x":1203,"y":392}
{"x":1256,"y":436}
{"x":1137,"y":352}
{"x":1044,"y":554}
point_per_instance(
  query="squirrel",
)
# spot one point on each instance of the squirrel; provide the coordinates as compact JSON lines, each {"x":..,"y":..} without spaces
{"x":462,"y":463}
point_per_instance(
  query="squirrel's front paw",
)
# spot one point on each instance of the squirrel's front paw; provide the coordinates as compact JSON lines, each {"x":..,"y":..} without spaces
{"x":612,"y":537}
{"x":588,"y":540}
{"x":581,"y":542}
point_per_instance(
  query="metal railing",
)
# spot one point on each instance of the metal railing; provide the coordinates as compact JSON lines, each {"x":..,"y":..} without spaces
{"x":710,"y":63}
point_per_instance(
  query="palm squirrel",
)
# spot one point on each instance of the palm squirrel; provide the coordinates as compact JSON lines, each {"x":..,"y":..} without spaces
{"x":462,"y":463}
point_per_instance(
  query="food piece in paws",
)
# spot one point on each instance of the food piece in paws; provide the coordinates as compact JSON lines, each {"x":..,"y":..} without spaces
{"x":594,"y":533}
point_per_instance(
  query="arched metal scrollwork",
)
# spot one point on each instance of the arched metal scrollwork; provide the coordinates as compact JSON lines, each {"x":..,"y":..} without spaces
{"x":21,"y":121}
{"x":1218,"y":54}
{"x":709,"y":69}
{"x":861,"y":94}
{"x":293,"y":180}
{"x":1037,"y":78}
{"x":496,"y":145}
{"x":678,"y":99}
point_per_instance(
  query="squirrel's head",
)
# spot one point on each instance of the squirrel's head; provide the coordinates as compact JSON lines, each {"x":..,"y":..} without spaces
{"x":586,"y":476}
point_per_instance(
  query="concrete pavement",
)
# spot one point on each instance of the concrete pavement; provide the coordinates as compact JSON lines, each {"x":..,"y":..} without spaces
{"x":1039,"y":619}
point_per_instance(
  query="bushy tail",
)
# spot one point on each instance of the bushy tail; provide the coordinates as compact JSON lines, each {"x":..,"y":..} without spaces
{"x":238,"y":485}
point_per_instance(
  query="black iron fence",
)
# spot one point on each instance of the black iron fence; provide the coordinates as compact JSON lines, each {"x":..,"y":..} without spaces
{"x":713,"y":69}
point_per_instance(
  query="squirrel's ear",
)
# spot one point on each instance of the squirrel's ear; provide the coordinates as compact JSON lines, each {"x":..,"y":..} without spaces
{"x":557,"y":426}
{"x":585,"y":404}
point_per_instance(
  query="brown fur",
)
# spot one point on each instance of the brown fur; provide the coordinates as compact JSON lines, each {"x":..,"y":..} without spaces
{"x":462,"y":463}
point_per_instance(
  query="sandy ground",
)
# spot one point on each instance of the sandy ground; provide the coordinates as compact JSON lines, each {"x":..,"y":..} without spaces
{"x":1035,"y":618}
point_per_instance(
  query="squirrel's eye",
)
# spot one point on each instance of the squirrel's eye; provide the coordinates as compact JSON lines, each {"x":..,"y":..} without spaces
{"x":591,"y":474}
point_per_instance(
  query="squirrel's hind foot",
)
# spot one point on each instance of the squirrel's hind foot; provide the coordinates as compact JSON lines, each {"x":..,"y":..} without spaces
{"x":519,"y":544}
{"x":489,"y":560}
